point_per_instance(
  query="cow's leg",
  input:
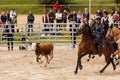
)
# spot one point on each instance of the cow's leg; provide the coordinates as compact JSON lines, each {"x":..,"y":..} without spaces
{"x":51,"y":57}
{"x":46,"y":56}
{"x":38,"y":58}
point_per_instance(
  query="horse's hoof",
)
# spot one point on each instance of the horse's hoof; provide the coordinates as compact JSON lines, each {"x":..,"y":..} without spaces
{"x":88,"y":60}
{"x":117,"y":63}
{"x":80,"y":67}
{"x":93,"y":57}
{"x":75,"y":72}
{"x":114,"y":68}
{"x":101,"y":71}
{"x":48,"y":62}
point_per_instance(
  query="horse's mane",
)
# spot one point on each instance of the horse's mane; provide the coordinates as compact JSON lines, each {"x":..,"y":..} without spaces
{"x":90,"y":32}
{"x":117,"y":30}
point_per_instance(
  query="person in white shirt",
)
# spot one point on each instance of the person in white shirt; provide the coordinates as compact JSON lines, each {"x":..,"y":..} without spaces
{"x":58,"y":16}
{"x":106,"y":21}
{"x":12,"y":17}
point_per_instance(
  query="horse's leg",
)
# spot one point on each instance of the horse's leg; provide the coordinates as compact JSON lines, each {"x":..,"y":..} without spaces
{"x":89,"y":56}
{"x":107,"y":58}
{"x":76,"y":69}
{"x":113,"y":64}
{"x":79,"y":62}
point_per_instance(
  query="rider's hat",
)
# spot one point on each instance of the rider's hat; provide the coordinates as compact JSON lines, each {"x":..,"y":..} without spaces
{"x":97,"y":18}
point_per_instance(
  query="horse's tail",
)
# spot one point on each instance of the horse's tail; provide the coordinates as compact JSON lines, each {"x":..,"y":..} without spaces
{"x":115,"y":45}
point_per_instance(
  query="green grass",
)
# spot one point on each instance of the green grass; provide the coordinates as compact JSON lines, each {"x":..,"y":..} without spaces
{"x":23,"y":6}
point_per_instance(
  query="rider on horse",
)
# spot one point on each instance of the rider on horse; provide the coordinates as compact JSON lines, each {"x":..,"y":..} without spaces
{"x":97,"y":29}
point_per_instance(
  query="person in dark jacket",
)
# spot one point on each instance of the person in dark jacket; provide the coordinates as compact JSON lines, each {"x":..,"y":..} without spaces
{"x":10,"y":34}
{"x":51,"y":17}
{"x":98,"y":31}
{"x":30,"y":21}
{"x":64,"y":19}
{"x":86,"y":14}
{"x":3,"y":18}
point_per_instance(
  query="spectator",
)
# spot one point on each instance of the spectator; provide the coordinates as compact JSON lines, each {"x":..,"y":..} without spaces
{"x":30,"y":21}
{"x":3,"y":18}
{"x":56,"y":6}
{"x":79,"y":18}
{"x":106,"y":21}
{"x":8,"y":16}
{"x":112,"y":12}
{"x":58,"y":16}
{"x":116,"y":16}
{"x":74,"y":16}
{"x":99,"y":13}
{"x":12,"y":17}
{"x":86,"y":14}
{"x":45,"y":20}
{"x":64,"y":18}
{"x":70,"y":16}
{"x":51,"y":17}
{"x":10,"y":33}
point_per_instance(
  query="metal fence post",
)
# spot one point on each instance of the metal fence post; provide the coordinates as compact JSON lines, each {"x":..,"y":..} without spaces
{"x":26,"y":43}
{"x":72,"y":35}
{"x":39,"y":32}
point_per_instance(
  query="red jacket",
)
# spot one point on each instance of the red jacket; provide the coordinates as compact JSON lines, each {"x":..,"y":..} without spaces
{"x":56,"y":6}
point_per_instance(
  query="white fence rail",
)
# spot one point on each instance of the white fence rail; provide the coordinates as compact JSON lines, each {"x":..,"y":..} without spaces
{"x":59,"y":34}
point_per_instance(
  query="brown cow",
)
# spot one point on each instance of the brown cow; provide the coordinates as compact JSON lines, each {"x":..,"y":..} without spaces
{"x":44,"y":49}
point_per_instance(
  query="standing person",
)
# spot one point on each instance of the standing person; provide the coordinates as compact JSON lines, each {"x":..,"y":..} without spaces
{"x":45,"y":20}
{"x":8,"y":15}
{"x":74,"y":16}
{"x":30,"y":21}
{"x":79,"y":18}
{"x":51,"y":17}
{"x":56,"y":6}
{"x":58,"y":16}
{"x":112,"y":12}
{"x":9,"y":33}
{"x":86,"y":14}
{"x":3,"y":18}
{"x":99,"y":13}
{"x":12,"y":17}
{"x":64,"y":18}
{"x":116,"y":16}
{"x":106,"y":21}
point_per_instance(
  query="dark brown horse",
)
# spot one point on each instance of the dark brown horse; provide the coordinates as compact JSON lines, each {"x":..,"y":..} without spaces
{"x":87,"y":46}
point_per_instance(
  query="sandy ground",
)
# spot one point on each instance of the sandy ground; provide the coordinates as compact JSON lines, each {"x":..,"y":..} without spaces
{"x":21,"y":65}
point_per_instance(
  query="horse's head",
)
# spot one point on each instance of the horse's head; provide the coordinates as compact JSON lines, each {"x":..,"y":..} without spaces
{"x":82,"y":29}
